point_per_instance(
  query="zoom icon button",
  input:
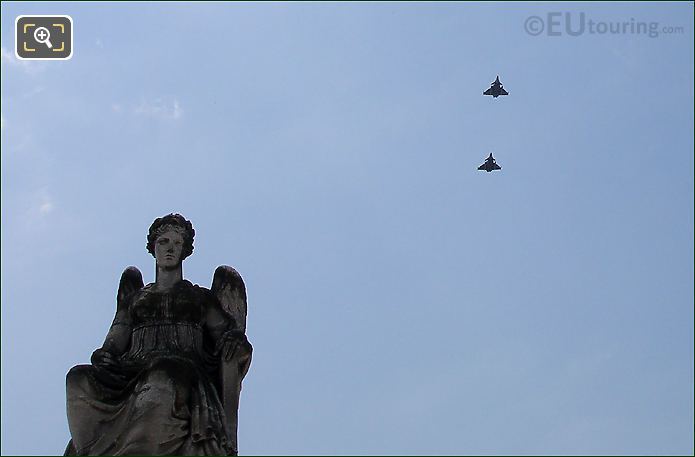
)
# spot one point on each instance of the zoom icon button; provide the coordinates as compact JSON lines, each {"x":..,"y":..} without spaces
{"x":43,"y":37}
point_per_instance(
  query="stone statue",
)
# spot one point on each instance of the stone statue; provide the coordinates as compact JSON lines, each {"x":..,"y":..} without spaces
{"x":168,"y":377}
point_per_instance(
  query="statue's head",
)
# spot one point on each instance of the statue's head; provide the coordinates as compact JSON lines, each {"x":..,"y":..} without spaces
{"x":170,"y":239}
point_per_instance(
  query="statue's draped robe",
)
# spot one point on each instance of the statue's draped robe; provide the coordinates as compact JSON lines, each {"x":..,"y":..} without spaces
{"x":162,"y":398}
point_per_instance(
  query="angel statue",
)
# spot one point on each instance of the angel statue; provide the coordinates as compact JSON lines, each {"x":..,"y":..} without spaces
{"x":168,"y":377}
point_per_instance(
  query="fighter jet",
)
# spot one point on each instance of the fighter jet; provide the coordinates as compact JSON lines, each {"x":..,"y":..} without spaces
{"x":489,"y":164}
{"x":496,"y":89}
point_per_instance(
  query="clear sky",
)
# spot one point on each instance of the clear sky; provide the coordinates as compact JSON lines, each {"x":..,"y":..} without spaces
{"x":400,"y":301}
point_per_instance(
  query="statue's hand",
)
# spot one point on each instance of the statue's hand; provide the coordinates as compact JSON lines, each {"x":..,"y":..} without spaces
{"x":103,"y":358}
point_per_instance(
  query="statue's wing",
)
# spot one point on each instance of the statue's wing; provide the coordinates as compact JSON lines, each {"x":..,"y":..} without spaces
{"x":230,"y":290}
{"x":118,"y":338}
{"x":131,"y":281}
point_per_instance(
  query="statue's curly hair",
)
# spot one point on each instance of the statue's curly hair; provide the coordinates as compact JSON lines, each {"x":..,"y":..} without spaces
{"x":176,"y":222}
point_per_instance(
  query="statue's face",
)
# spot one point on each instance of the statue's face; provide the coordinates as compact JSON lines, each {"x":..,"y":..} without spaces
{"x":168,"y":248}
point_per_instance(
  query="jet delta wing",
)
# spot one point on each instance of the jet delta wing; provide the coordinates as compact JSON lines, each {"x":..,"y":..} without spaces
{"x":496,"y":89}
{"x":489,"y":164}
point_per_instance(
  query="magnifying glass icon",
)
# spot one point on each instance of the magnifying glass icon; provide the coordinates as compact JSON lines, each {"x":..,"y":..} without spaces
{"x":42,"y":35}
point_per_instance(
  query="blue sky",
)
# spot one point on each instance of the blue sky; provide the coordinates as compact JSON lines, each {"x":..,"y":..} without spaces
{"x":400,"y":301}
